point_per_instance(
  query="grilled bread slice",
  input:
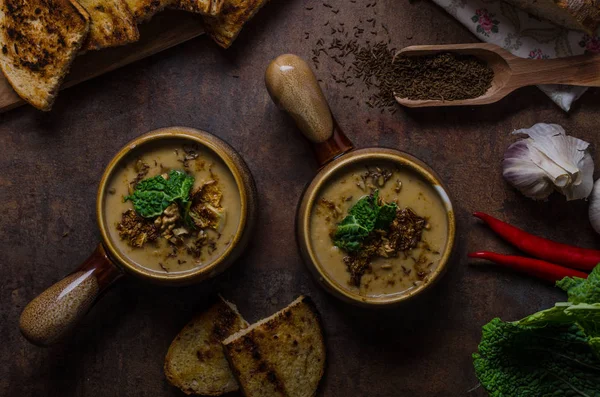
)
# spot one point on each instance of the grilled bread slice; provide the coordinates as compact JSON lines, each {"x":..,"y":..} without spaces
{"x":39,"y":40}
{"x":112,"y":24}
{"x":143,"y":10}
{"x":573,"y":14}
{"x":195,"y":362}
{"x":225,"y":27}
{"x":283,"y":355}
{"x":204,"y":7}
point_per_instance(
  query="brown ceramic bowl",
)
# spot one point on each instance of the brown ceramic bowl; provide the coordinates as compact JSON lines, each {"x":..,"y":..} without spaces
{"x":310,"y":200}
{"x":54,"y":312}
{"x":293,"y":86}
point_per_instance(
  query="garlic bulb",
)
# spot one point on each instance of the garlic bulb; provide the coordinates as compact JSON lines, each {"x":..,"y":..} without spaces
{"x":549,"y":160}
{"x":594,"y":210}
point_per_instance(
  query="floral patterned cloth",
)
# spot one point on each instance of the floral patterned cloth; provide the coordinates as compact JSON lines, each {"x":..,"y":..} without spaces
{"x":497,"y":22}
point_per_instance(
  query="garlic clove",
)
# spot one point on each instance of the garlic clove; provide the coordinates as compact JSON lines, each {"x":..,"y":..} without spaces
{"x":558,"y":175}
{"x":584,"y":187}
{"x":548,"y":160}
{"x":523,"y":174}
{"x":594,"y":209}
{"x":564,"y":151}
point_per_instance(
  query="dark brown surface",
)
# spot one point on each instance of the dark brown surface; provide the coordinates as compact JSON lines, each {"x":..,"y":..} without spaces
{"x":51,"y":165}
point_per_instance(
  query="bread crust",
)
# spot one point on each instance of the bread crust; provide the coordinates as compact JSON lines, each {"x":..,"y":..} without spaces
{"x":573,"y":14}
{"x":144,"y":10}
{"x":111,"y":24}
{"x":586,"y":12}
{"x":195,"y":362}
{"x":281,"y":356}
{"x":39,"y":39}
{"x":203,"y":7}
{"x":225,"y":27}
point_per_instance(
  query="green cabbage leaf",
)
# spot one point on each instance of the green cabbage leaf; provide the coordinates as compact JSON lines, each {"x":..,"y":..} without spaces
{"x":386,"y":215}
{"x":582,"y":290}
{"x":554,"y":352}
{"x":516,"y":360}
{"x":366,"y":215}
{"x":350,"y":234}
{"x":153,"y":195}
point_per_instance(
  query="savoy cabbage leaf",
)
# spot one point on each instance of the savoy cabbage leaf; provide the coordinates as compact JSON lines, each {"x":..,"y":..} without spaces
{"x":554,"y":352}
{"x":350,"y":234}
{"x":555,"y":315}
{"x":582,"y":290}
{"x":363,"y":217}
{"x":366,"y":210}
{"x":595,"y":345}
{"x":516,"y":360}
{"x":386,"y":215}
{"x":179,"y":185}
{"x":153,"y":195}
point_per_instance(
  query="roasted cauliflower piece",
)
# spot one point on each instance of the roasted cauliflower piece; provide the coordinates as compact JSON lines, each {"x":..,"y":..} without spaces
{"x":206,"y":211}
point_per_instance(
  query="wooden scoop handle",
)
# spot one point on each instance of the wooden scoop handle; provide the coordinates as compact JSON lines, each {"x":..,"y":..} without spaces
{"x":294,"y":88}
{"x":53,"y":313}
{"x":581,"y":70}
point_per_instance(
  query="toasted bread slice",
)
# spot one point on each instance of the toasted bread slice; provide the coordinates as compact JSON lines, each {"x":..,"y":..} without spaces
{"x":143,"y":10}
{"x":39,"y":40}
{"x":283,"y":355}
{"x":572,"y":14}
{"x":204,"y":7}
{"x":195,"y":362}
{"x":112,"y":24}
{"x":225,"y":27}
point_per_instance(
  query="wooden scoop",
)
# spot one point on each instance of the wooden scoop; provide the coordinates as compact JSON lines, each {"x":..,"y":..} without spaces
{"x":511,"y":72}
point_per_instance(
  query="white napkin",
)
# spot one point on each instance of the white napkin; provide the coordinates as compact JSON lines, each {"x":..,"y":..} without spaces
{"x":524,"y":35}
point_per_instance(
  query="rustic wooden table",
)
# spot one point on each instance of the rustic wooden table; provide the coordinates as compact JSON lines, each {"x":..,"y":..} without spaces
{"x":51,"y":164}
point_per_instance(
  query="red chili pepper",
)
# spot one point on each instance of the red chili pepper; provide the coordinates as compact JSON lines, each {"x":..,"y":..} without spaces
{"x":563,"y":254}
{"x":534,"y":267}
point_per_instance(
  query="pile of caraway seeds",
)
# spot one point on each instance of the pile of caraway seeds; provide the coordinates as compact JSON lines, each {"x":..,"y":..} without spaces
{"x":445,"y":76}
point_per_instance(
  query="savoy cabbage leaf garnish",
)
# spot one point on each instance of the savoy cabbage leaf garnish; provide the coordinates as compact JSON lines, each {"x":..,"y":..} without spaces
{"x":369,"y":213}
{"x":153,"y":195}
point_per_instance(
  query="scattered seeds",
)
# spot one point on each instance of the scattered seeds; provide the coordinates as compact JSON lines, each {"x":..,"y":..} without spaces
{"x":443,"y":76}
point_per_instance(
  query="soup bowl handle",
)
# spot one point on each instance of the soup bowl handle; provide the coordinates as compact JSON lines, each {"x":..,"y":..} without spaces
{"x":294,"y":88}
{"x":53,"y":313}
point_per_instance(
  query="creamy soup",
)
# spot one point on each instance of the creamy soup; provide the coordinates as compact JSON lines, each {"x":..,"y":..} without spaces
{"x":192,"y":231}
{"x":389,"y":271}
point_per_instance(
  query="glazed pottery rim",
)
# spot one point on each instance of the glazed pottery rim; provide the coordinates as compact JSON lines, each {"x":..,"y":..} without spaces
{"x":223,"y":151}
{"x":308,"y":201}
